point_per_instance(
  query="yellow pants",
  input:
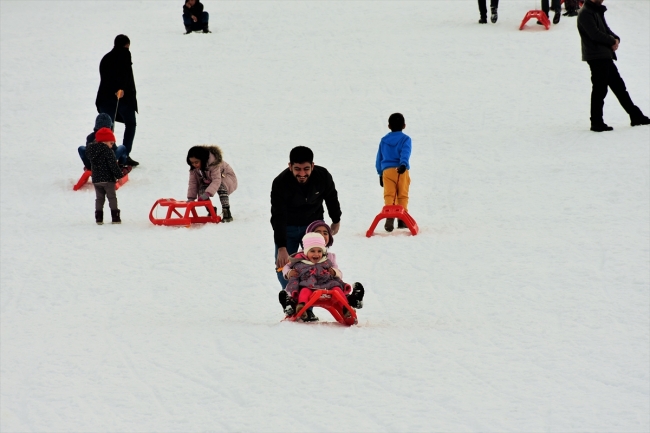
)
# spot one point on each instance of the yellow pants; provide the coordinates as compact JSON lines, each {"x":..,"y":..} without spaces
{"x":396,"y":187}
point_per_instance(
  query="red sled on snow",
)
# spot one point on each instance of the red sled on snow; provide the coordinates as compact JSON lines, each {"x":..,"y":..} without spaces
{"x":394,"y":211}
{"x":86,"y":176}
{"x":175,"y":218}
{"x":333,"y":302}
{"x":539,"y":15}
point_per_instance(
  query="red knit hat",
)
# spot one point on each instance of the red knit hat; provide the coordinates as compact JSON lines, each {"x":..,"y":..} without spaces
{"x":104,"y":135}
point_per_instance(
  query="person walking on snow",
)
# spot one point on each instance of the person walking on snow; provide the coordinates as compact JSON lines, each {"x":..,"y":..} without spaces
{"x":194,"y":17}
{"x":482,"y":8}
{"x":117,"y":88}
{"x":210,"y":175}
{"x":105,"y":173}
{"x":599,"y":44}
{"x":557,"y":8}
{"x":297,"y":197}
{"x":392,"y":165}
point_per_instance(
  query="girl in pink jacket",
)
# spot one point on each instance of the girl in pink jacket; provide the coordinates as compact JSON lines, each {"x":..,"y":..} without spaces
{"x":210,"y":175}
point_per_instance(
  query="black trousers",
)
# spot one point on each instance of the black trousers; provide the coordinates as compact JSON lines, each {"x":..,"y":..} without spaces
{"x":604,"y":74}
{"x":483,"y":8}
{"x":555,"y":4}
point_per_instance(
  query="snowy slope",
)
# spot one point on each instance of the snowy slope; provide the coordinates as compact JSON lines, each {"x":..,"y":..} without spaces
{"x":523,"y":305}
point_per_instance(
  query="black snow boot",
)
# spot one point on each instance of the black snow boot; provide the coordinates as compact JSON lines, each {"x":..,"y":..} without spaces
{"x":99,"y":217}
{"x":309,"y":316}
{"x":641,"y":120}
{"x":401,"y":224}
{"x":131,"y":162}
{"x":390,"y":224}
{"x":115,"y":216}
{"x":557,"y":16}
{"x":188,"y":30}
{"x":355,"y":299}
{"x":482,"y":20}
{"x":206,"y":29}
{"x":287,"y":302}
{"x":494,"y":16}
{"x":601,"y":127}
{"x":227,"y":216}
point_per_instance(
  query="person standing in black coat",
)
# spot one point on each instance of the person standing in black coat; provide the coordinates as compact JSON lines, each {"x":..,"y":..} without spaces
{"x":194,"y":17}
{"x":297,"y":197}
{"x":599,"y":45}
{"x":117,"y":89}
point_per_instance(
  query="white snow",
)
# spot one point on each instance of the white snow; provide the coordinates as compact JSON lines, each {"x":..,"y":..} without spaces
{"x":522,"y":305}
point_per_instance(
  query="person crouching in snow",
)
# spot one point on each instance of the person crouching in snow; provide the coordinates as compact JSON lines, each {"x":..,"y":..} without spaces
{"x":392,"y":164}
{"x":105,"y":173}
{"x":354,"y":295}
{"x":210,"y":175}
{"x":314,"y":272}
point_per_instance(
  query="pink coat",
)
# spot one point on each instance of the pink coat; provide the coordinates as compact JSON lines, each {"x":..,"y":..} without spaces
{"x":218,"y":172}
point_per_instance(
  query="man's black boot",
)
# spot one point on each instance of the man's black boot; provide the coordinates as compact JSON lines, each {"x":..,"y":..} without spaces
{"x":601,"y":127}
{"x":494,"y":16}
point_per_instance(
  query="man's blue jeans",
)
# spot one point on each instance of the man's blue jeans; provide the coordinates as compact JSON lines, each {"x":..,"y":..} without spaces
{"x":120,"y":155}
{"x":127,"y":115}
{"x":294,"y":237}
{"x":189,"y":22}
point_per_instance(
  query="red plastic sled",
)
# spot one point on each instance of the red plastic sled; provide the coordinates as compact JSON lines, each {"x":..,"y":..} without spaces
{"x":394,"y":211}
{"x":86,"y":175}
{"x":539,"y":15}
{"x":332,"y":301}
{"x":174,"y":217}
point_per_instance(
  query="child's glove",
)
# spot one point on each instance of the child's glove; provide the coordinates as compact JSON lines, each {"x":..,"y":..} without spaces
{"x":381,"y":180}
{"x":401,"y":169}
{"x":204,"y":196}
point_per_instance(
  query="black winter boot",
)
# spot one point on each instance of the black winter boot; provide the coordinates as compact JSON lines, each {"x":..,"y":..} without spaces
{"x":401,"y":224}
{"x":355,"y":299}
{"x":601,"y":127}
{"x":557,"y":16}
{"x":482,"y":20}
{"x":115,"y":215}
{"x":641,"y":120}
{"x":188,"y":30}
{"x":287,"y":302}
{"x":494,"y":16}
{"x":227,"y":216}
{"x":390,"y":224}
{"x":99,"y":217}
{"x":206,"y":29}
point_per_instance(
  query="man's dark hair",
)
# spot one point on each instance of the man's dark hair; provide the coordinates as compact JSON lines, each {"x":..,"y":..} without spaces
{"x":121,"y":41}
{"x":301,"y":154}
{"x":201,"y":153}
{"x":396,"y":122}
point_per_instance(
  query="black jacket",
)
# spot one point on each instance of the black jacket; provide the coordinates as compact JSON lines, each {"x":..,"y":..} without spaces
{"x":195,"y":10}
{"x":596,"y":37}
{"x":103,"y":163}
{"x":297,"y":204}
{"x":116,"y":73}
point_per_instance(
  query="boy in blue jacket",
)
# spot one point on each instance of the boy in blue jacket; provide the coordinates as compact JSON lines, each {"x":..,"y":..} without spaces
{"x":393,"y":167}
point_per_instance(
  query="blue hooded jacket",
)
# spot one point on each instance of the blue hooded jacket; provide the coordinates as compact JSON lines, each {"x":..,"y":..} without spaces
{"x":394,"y":150}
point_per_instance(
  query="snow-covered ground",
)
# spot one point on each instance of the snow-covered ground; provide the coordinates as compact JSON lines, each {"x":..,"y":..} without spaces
{"x":522,"y":305}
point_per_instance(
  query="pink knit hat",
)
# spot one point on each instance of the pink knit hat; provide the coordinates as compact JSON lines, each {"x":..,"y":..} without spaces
{"x":313,"y":240}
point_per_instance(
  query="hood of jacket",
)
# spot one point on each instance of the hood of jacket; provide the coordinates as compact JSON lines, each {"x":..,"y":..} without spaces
{"x":394,"y":138}
{"x":215,"y":151}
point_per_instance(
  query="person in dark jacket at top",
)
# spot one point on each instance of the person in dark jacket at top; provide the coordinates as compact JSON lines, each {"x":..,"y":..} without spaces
{"x":297,"y":197}
{"x":103,"y":121}
{"x":117,"y":89}
{"x":599,"y":45}
{"x":194,"y":17}
{"x":105,"y":173}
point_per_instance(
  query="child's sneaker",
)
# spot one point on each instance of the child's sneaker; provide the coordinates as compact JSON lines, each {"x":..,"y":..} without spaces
{"x":390,"y":224}
{"x":99,"y":217}
{"x":310,"y":316}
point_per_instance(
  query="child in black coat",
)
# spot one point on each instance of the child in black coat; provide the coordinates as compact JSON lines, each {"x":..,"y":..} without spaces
{"x":106,"y":172}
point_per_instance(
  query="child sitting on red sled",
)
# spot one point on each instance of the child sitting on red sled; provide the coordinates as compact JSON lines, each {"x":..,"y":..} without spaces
{"x":314,"y":272}
{"x":355,"y":298}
